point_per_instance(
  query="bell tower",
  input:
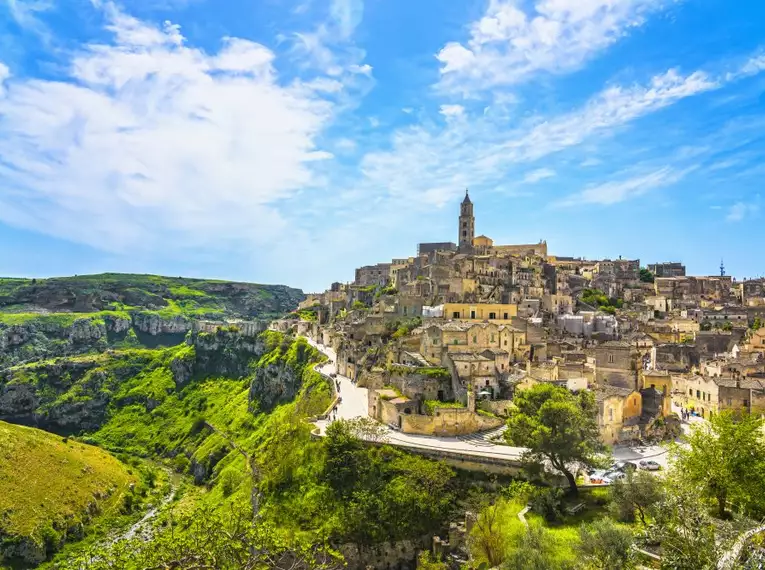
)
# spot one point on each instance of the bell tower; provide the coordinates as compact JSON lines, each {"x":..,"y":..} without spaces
{"x":466,"y":225}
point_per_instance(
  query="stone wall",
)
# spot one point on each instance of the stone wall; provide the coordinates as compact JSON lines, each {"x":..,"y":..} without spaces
{"x":448,"y":422}
{"x":498,"y":407}
{"x":422,"y":386}
{"x":400,"y":555}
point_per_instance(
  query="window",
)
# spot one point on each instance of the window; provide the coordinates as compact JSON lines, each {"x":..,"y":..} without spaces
{"x":505,"y":316}
{"x":610,"y":414}
{"x":698,"y":392}
{"x":610,"y":358}
{"x":492,"y":315}
{"x":503,"y":367}
{"x":456,"y":315}
{"x":456,"y":341}
{"x":505,"y":342}
{"x":487,"y":382}
{"x":492,"y":337}
{"x":475,"y":339}
{"x":435,"y":341}
{"x":472,"y":314}
{"x":690,"y":391}
{"x":746,"y":403}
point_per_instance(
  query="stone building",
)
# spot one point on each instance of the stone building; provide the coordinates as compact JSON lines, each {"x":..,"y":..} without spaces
{"x":438,"y":340}
{"x":619,"y":412}
{"x":466,"y":225}
{"x":616,"y":364}
{"x":667,"y":269}
{"x":373,"y":275}
{"x":503,"y":312}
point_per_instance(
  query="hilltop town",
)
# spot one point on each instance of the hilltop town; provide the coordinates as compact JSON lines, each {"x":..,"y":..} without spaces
{"x":444,"y":340}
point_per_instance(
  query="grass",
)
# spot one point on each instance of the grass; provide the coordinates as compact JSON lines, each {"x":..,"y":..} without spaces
{"x":431,"y":405}
{"x":48,"y":484}
{"x":563,"y":536}
{"x":59,"y":319}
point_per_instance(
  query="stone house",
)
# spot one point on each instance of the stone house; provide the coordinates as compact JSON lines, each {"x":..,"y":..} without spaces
{"x":500,"y":312}
{"x":619,"y":411}
{"x":699,"y":393}
{"x":616,"y":364}
{"x":661,"y":381}
{"x":437,"y":340}
{"x":757,"y":340}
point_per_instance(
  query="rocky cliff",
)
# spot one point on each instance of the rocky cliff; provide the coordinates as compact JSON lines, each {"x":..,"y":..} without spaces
{"x":67,"y":316}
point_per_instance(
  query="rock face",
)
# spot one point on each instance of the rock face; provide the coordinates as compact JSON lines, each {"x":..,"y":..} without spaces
{"x":154,"y":324}
{"x":273,"y":384}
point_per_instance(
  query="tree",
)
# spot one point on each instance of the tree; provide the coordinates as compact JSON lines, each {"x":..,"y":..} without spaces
{"x":725,"y":460}
{"x":685,"y":531}
{"x":557,"y":427}
{"x":209,"y":539}
{"x":757,"y":324}
{"x":606,"y":546}
{"x":646,"y":276}
{"x":638,"y":493}
{"x":487,"y":539}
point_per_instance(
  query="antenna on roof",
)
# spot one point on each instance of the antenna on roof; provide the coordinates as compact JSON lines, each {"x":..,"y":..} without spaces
{"x":722,"y":268}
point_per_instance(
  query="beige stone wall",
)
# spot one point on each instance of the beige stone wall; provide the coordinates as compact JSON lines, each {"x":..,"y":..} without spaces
{"x":448,"y":422}
{"x":498,"y":407}
{"x":481,"y":311}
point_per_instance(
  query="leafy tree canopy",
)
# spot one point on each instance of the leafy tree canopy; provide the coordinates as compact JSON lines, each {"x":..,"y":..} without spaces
{"x":725,"y":461}
{"x":558,"y":427}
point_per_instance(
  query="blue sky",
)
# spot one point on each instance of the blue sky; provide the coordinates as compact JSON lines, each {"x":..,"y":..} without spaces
{"x":291,"y":141}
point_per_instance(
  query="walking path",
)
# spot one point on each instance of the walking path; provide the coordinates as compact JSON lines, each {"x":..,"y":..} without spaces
{"x":354,"y":403}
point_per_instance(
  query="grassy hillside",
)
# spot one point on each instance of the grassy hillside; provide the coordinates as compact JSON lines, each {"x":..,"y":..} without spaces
{"x":170,"y":296}
{"x":49,"y":487}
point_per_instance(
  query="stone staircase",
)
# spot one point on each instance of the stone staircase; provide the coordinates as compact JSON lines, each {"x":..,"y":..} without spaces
{"x":483,"y":438}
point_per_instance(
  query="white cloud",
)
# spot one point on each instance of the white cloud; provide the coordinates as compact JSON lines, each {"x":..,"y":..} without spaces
{"x":347,"y":15}
{"x":741,"y":210}
{"x":452,"y":110}
{"x":507,"y":45}
{"x":587,"y":162}
{"x":152,"y":143}
{"x":537,"y":175}
{"x":429,"y":164}
{"x":618,"y":191}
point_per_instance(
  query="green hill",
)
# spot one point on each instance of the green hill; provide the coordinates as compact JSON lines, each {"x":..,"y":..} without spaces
{"x":50,"y":487}
{"x":40,"y":318}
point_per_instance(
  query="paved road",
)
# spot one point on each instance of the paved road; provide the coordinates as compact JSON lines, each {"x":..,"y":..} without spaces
{"x":355,"y":404}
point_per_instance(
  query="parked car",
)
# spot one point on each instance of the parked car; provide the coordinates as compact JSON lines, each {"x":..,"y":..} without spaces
{"x":615,"y":475}
{"x":624,"y":466}
{"x":649,"y":465}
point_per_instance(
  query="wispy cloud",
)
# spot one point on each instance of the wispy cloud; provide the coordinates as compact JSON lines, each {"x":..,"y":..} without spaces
{"x":152,"y":141}
{"x":537,"y":175}
{"x":742,"y":210}
{"x":507,"y":45}
{"x":614,"y":192}
{"x":26,"y":13}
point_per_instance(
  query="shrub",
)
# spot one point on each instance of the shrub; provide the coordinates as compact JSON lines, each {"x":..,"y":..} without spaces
{"x":548,"y":502}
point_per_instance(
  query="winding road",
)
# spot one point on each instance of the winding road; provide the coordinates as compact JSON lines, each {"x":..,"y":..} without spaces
{"x":354,"y":404}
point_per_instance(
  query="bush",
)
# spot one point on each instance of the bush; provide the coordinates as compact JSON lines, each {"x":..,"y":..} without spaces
{"x":606,"y":546}
{"x":548,"y":502}
{"x":519,"y":490}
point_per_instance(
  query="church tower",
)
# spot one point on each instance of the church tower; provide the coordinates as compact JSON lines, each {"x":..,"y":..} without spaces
{"x":467,"y":225}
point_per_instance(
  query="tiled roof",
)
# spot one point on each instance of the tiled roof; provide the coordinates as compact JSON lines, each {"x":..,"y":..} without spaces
{"x":468,"y":357}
